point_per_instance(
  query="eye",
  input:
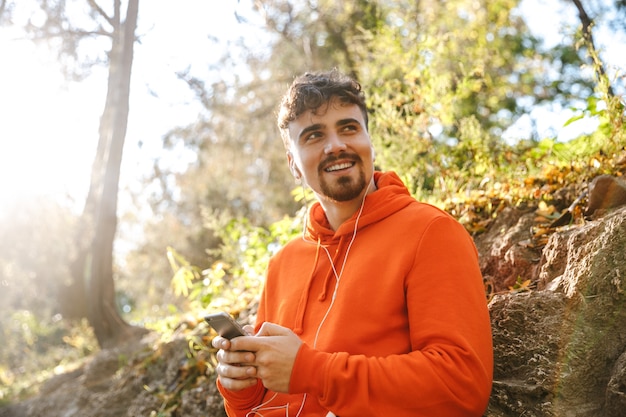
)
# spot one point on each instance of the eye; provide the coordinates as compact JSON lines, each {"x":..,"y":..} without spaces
{"x":350,"y":128}
{"x":312,"y":136}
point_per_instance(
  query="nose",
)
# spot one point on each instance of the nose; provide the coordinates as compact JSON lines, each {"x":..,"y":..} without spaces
{"x":334,"y":144}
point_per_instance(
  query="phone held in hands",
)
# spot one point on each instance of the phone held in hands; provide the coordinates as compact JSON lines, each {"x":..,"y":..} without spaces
{"x":225,"y":325}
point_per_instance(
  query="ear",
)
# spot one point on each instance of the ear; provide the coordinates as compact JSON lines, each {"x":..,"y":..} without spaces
{"x":293,"y":167}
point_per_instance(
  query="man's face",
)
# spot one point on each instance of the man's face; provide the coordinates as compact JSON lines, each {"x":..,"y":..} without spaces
{"x":332,"y":151}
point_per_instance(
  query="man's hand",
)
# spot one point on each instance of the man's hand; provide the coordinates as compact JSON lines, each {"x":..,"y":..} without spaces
{"x":273,"y":349}
{"x":234,"y":368}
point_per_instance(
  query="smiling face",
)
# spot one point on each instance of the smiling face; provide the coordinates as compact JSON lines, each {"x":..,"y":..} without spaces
{"x":331,"y":150}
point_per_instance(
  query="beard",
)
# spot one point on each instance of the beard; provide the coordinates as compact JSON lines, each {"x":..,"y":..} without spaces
{"x":345,"y":188}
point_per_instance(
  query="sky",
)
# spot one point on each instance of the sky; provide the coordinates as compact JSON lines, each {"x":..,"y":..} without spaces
{"x":554,"y":20}
{"x":49,"y":128}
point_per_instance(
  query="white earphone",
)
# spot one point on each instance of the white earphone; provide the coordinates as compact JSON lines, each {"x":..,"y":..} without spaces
{"x":293,"y":167}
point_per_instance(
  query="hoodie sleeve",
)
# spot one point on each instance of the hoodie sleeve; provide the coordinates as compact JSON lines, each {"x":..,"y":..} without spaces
{"x":449,"y":369}
{"x":239,"y":403}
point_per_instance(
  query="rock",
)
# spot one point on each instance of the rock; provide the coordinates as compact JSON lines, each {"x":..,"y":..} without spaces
{"x":605,"y":192}
{"x":503,"y":258}
{"x":616,"y":389}
{"x":561,"y":350}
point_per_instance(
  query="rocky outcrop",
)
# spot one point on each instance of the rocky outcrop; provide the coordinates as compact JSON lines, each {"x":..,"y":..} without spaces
{"x":560,"y":347}
{"x":505,"y":253}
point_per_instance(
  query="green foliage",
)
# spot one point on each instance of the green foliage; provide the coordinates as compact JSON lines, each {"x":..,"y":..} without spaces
{"x":34,"y":264}
{"x":184,"y":272}
{"x":234,"y":281}
{"x":444,"y":80}
{"x":520,"y":285}
{"x":35,"y":348}
{"x":447,"y":79}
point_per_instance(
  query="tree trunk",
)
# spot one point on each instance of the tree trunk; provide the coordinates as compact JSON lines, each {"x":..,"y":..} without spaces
{"x":93,"y":265}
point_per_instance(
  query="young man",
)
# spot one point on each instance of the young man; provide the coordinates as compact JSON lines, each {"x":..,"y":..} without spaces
{"x":379,"y":308}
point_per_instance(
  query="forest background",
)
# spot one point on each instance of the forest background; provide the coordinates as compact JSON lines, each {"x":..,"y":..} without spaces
{"x":471,"y":107}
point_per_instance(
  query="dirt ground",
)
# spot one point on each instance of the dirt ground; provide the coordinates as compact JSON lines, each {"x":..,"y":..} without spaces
{"x":150,"y":378}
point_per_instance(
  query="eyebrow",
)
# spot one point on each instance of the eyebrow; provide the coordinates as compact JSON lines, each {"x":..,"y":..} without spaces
{"x":311,"y":128}
{"x":321,"y":126}
{"x":347,"y":121}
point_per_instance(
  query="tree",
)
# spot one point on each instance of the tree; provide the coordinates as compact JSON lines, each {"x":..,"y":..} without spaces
{"x":236,"y":138}
{"x":240,"y":168}
{"x":446,"y":81}
{"x":587,"y":35}
{"x":91,"y":293}
{"x":615,"y":105}
{"x":101,"y":207}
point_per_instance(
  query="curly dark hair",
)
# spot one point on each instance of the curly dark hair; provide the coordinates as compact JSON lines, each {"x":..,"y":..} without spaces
{"x":311,"y":91}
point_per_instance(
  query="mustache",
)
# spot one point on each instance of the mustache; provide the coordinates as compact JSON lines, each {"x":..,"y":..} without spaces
{"x":334,"y":158}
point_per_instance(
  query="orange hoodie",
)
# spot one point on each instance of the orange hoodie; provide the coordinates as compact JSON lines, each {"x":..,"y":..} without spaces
{"x":408,"y":333}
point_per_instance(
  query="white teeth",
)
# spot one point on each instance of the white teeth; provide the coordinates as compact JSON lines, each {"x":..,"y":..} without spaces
{"x":338,"y":167}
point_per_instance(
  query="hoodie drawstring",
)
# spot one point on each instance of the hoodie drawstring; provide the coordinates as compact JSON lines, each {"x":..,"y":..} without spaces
{"x":304,"y":297}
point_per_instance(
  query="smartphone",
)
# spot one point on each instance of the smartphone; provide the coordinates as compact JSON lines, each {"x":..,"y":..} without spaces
{"x":225,"y":325}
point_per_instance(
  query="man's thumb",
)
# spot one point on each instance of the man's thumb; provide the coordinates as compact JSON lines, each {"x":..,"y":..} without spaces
{"x":271,"y":329}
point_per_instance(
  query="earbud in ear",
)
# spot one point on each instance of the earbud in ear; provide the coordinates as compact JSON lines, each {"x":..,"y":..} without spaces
{"x":295,"y":172}
{"x":293,"y":167}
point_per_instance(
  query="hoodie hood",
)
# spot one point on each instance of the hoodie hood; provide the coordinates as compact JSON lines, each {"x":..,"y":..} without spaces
{"x":391,"y":196}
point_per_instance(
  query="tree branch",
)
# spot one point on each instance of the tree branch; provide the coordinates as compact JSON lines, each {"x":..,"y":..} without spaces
{"x":588,"y":38}
{"x":117,"y":14}
{"x":101,"y":12}
{"x":3,"y":6}
{"x":85,"y":33}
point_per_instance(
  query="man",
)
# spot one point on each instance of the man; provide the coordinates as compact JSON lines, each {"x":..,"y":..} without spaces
{"x":379,"y":308}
